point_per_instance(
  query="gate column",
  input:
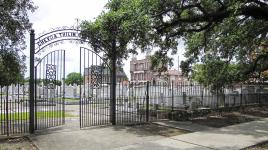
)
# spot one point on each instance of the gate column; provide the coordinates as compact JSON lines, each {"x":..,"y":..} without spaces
{"x":31,"y":100}
{"x":113,"y":86}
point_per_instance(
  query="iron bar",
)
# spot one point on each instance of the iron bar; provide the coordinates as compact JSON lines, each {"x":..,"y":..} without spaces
{"x":31,"y":101}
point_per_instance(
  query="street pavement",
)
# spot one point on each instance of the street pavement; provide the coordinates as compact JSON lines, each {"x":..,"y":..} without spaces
{"x":70,"y":137}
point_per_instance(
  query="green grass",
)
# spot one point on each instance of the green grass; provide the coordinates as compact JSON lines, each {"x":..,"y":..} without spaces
{"x":71,"y":99}
{"x":39,"y":115}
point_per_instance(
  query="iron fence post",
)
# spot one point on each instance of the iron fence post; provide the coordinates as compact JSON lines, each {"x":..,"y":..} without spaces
{"x":80,"y":91}
{"x":63,"y":90}
{"x":241,"y":95}
{"x":217,"y":95}
{"x":113,"y":86}
{"x":172,"y":96}
{"x":35,"y":97}
{"x":224,"y":98}
{"x":202,"y":95}
{"x":259,"y":99}
{"x":31,"y":100}
{"x":147,"y":101}
{"x":7,"y":120}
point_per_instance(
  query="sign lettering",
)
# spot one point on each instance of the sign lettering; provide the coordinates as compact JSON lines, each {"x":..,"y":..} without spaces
{"x":44,"y":40}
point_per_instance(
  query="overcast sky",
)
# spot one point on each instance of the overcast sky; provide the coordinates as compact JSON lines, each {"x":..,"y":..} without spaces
{"x":58,"y":13}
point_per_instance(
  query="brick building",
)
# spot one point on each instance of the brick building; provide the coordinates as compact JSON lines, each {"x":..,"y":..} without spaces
{"x":102,"y":73}
{"x":140,"y":71}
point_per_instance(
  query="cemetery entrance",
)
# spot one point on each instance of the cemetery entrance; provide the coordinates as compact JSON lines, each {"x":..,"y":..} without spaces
{"x":39,"y":103}
{"x":47,"y":83}
{"x":102,"y":99}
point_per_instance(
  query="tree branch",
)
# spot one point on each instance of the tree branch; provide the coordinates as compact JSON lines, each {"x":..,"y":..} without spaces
{"x":255,"y":12}
{"x":214,"y":17}
{"x":219,"y":15}
{"x":254,"y":64}
{"x":192,"y":30}
{"x":220,"y":2}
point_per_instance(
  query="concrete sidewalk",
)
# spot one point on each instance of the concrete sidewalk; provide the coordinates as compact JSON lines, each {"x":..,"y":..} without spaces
{"x":185,"y":125}
{"x":126,"y":138}
{"x":228,"y":138}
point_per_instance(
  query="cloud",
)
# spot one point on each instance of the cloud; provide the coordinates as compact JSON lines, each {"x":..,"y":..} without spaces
{"x":58,"y":13}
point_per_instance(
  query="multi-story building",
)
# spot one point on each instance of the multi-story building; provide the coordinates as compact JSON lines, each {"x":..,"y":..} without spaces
{"x":140,"y":71}
{"x":175,"y":76}
{"x":102,"y":74}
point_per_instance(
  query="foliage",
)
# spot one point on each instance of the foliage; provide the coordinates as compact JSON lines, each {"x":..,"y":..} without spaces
{"x":229,"y":31}
{"x":11,"y":68}
{"x":160,"y":63}
{"x":14,"y":23}
{"x":264,"y":75}
{"x":74,"y":78}
{"x":120,"y":29}
{"x":215,"y":73}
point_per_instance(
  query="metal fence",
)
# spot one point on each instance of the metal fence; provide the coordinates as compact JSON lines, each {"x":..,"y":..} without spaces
{"x":131,"y":104}
{"x":140,"y":102}
{"x":136,"y":103}
{"x":14,"y":117}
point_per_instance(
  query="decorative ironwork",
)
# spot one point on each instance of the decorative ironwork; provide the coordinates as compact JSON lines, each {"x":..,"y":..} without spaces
{"x":56,"y":35}
{"x":50,"y":76}
{"x":96,"y":76}
{"x":49,"y":96}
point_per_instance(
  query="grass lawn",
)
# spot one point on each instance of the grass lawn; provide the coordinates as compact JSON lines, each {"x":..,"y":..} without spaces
{"x":71,"y":99}
{"x":40,"y":115}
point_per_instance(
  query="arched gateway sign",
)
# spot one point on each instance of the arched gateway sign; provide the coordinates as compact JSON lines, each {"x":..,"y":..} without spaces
{"x":59,"y":34}
{"x":48,"y":97}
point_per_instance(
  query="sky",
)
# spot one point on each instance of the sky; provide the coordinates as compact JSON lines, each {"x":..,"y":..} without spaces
{"x":57,"y":13}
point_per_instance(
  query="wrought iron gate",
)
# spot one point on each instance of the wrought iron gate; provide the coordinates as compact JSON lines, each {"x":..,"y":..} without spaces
{"x":50,"y":90}
{"x":98,"y":98}
{"x":94,"y":90}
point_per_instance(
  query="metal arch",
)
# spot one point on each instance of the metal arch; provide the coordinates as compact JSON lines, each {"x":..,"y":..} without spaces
{"x":57,"y":30}
{"x":97,"y":55}
{"x":58,"y":35}
{"x":66,"y":39}
{"x":46,"y":56}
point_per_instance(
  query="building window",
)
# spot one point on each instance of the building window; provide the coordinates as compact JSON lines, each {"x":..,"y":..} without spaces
{"x":142,"y":66}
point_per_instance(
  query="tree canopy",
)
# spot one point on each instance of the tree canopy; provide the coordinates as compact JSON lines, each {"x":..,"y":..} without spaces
{"x":122,"y":28}
{"x":216,"y":73}
{"x":230,"y":31}
{"x":11,"y":69}
{"x":74,"y":78}
{"x":14,"y":22}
